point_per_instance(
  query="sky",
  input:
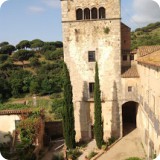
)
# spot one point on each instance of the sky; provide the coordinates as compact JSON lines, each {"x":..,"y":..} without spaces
{"x":32,"y":19}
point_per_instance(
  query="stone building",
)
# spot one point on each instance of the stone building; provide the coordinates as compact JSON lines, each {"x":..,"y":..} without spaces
{"x":93,"y":31}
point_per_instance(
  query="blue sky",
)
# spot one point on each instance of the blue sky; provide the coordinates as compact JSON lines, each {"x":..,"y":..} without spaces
{"x":31,"y":19}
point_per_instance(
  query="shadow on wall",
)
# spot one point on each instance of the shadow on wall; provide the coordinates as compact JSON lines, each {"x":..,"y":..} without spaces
{"x":84,"y":113}
{"x":115,"y":126}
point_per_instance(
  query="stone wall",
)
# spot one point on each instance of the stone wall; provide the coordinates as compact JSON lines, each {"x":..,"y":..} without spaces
{"x":149,"y":98}
{"x":7,"y":125}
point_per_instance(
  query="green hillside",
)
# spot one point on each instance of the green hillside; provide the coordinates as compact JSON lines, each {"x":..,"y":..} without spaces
{"x":149,"y":35}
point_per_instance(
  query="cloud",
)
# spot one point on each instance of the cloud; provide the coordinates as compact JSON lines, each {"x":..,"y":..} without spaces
{"x":35,"y":9}
{"x":52,"y":3}
{"x":145,"y":12}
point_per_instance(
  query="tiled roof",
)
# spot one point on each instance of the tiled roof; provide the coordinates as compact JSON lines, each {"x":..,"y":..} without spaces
{"x":152,"y":59}
{"x":15,"y":112}
{"x":145,"y":50}
{"x":134,"y":51}
{"x":130,"y":72}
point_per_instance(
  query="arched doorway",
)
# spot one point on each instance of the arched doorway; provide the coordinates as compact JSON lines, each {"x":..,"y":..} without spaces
{"x":129,"y":116}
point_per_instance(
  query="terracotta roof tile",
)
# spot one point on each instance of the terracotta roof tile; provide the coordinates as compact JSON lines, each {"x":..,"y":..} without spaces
{"x":145,"y":50}
{"x":130,"y":72}
{"x":152,"y":59}
{"x":15,"y":112}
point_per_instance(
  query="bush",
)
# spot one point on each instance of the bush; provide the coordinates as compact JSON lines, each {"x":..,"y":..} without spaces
{"x":57,"y":156}
{"x":91,"y":155}
{"x":111,"y":140}
{"x":133,"y":158}
{"x":74,"y":154}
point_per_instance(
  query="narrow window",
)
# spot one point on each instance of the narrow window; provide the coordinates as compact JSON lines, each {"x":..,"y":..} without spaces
{"x":91,"y":56}
{"x":102,"y":13}
{"x":79,"y":14}
{"x":94,"y":13}
{"x":86,"y":13}
{"x":91,"y":90}
{"x":129,"y":88}
{"x":131,"y":57}
{"x":124,"y":57}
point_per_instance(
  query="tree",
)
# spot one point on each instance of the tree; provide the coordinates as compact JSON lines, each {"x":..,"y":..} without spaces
{"x":98,"y":124}
{"x":3,"y":57}
{"x":34,"y":62}
{"x":7,"y":49}
{"x":22,"y":55}
{"x":37,"y":44}
{"x":4,"y":90}
{"x":3,"y":44}
{"x":23,"y":44}
{"x":68,"y":111}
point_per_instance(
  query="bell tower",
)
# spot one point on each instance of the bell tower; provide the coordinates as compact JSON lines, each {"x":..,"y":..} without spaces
{"x":92,"y":32}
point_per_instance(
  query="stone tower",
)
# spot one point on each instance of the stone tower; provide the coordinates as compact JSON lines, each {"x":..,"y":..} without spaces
{"x":92,"y":32}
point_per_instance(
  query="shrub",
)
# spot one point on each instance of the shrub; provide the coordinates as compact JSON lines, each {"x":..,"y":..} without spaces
{"x":91,"y":155}
{"x":57,"y":156}
{"x":111,"y":140}
{"x":106,"y":30}
{"x":74,"y":154}
{"x":133,"y":158}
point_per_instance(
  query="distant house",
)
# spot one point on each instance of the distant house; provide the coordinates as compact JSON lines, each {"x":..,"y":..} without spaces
{"x":8,"y":122}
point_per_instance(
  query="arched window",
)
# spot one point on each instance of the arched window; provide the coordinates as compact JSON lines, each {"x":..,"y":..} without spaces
{"x":102,"y":13}
{"x":79,"y":14}
{"x":94,"y":13}
{"x":86,"y":13}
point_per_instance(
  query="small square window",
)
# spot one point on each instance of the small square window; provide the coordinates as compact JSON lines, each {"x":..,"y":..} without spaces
{"x":91,"y":56}
{"x":124,"y":57}
{"x":130,"y":89}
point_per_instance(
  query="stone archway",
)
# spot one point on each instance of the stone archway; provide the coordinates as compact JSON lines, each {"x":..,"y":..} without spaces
{"x":129,"y":116}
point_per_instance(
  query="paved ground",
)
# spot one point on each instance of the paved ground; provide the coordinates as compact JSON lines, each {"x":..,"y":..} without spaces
{"x":128,"y":146}
{"x":54,"y":149}
{"x":90,"y":147}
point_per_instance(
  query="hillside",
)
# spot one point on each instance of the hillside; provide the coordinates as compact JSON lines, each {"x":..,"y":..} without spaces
{"x":32,"y":68}
{"x":149,"y":35}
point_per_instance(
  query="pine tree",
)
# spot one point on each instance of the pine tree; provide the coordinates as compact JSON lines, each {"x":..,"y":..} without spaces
{"x":98,"y":125}
{"x":68,"y":111}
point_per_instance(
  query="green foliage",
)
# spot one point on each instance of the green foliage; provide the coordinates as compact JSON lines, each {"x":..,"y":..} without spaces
{"x":23,"y":44}
{"x":57,"y":108}
{"x":48,"y":47}
{"x":14,"y":106}
{"x":40,"y":76}
{"x":91,"y":154}
{"x":7,"y":49}
{"x":111,"y":140}
{"x":5,"y":90}
{"x":106,"y":30}
{"x":34,"y":62}
{"x":54,"y":55}
{"x":3,"y":44}
{"x":20,"y":82}
{"x":68,"y":111}
{"x":3,"y":57}
{"x":58,"y":44}
{"x":98,"y":124}
{"x":133,"y":158}
{"x":57,"y":156}
{"x":37,"y":44}
{"x":22,"y":55}
{"x":74,"y":154}
{"x":149,"y":35}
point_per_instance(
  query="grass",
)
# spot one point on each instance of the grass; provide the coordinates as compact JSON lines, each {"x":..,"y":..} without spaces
{"x":92,"y":154}
{"x":133,"y":158}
